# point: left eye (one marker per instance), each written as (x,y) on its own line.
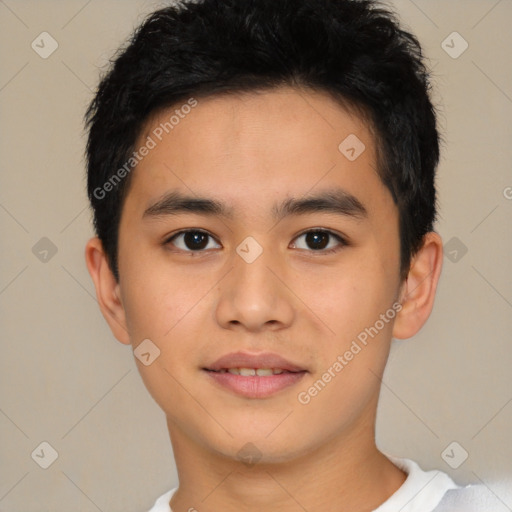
(193,241)
(318,240)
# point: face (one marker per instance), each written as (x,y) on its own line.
(250,238)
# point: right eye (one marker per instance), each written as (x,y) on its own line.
(193,240)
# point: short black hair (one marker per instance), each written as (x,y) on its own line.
(353,50)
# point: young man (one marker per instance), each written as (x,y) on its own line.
(262,179)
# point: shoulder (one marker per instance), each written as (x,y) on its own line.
(162,503)
(435,491)
(473,498)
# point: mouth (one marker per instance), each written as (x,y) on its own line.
(251,372)
(254,375)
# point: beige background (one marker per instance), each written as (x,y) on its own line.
(66,381)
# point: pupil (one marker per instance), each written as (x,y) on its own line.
(317,240)
(195,240)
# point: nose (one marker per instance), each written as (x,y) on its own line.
(254,297)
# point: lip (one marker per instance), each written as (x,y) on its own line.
(254,386)
(247,360)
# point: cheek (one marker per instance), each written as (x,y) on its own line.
(351,362)
(351,297)
(169,321)
(357,306)
(157,296)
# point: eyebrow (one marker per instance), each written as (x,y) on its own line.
(337,201)
(175,202)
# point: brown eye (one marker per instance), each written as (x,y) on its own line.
(193,241)
(319,240)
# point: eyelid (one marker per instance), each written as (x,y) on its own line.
(169,238)
(342,239)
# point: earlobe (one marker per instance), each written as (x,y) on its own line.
(107,289)
(419,289)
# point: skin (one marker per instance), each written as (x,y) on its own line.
(251,152)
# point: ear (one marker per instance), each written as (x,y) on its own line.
(107,289)
(419,289)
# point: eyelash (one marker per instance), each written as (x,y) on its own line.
(342,242)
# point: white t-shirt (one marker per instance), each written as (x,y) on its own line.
(422,491)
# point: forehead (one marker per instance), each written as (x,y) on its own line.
(249,147)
